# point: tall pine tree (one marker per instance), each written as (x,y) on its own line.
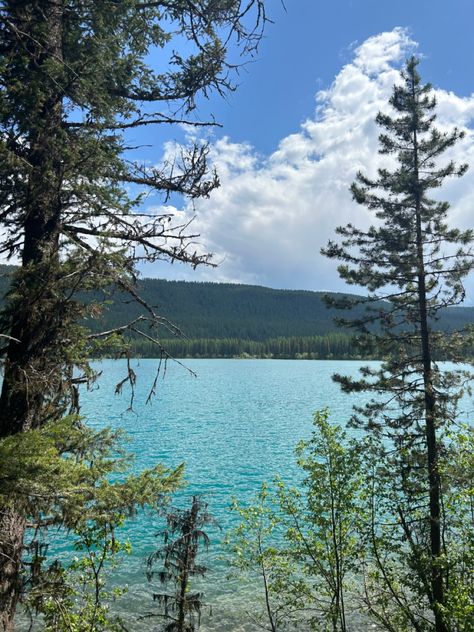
(416,263)
(75,75)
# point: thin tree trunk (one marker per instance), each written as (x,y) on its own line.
(437,585)
(339,614)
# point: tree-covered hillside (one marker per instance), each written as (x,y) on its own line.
(217,310)
(224,311)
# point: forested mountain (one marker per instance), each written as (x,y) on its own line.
(232,311)
(246,312)
(224,310)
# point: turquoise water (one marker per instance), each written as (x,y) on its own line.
(234,426)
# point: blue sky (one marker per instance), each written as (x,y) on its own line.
(309,43)
(301,124)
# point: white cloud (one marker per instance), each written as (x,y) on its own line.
(270,217)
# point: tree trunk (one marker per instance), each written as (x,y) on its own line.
(12,525)
(32,382)
(437,579)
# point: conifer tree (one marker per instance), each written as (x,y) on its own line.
(183,536)
(413,261)
(75,75)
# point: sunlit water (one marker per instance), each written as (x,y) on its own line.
(234,426)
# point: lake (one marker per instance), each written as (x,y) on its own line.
(234,426)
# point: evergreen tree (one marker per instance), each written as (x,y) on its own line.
(412,260)
(183,536)
(75,76)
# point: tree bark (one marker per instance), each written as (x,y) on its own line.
(437,579)
(32,376)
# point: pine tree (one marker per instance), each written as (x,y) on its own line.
(75,76)
(413,261)
(183,537)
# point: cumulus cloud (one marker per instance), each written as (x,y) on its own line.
(271,215)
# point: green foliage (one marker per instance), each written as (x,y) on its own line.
(310,348)
(393,557)
(254,545)
(305,543)
(224,321)
(416,263)
(457,468)
(328,543)
(222,310)
(75,597)
(66,474)
(62,473)
(75,77)
(183,536)
(336,554)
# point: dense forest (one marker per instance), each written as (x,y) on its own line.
(224,320)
